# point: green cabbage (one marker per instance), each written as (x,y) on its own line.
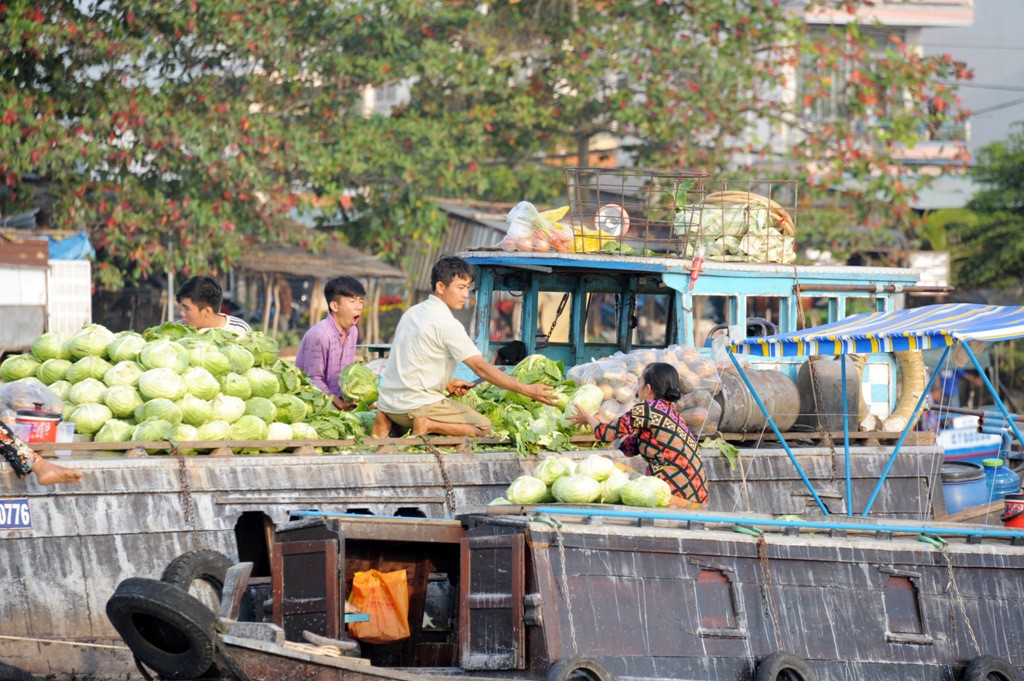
(168,331)
(661,489)
(214,430)
(205,355)
(527,489)
(121,400)
(261,407)
(60,389)
(610,488)
(551,468)
(89,418)
(576,489)
(538,369)
(240,359)
(186,433)
(262,382)
(201,383)
(91,340)
(125,347)
(164,354)
(278,431)
(88,367)
(235,385)
(51,345)
(161,409)
(597,467)
(587,397)
(114,431)
(249,428)
(358,383)
(53,370)
(87,391)
(161,383)
(304,431)
(194,410)
(638,493)
(289,408)
(226,408)
(17,367)
(125,372)
(500,501)
(153,430)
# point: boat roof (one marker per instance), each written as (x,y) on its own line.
(932,326)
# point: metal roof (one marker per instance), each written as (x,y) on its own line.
(335,260)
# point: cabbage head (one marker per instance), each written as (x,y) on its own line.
(589,399)
(550,469)
(90,341)
(576,489)
(122,400)
(89,418)
(51,345)
(53,370)
(240,359)
(60,389)
(527,489)
(358,383)
(638,493)
(304,431)
(570,465)
(114,431)
(288,408)
(153,430)
(125,347)
(610,488)
(661,489)
(207,356)
(161,409)
(194,410)
(226,408)
(88,391)
(16,367)
(87,367)
(278,431)
(261,407)
(597,467)
(235,385)
(186,433)
(262,382)
(125,372)
(538,369)
(201,383)
(161,383)
(164,354)
(214,430)
(249,428)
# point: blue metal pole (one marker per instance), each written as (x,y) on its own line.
(775,429)
(995,395)
(909,528)
(846,435)
(906,431)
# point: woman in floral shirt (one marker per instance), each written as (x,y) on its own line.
(653,429)
(25,460)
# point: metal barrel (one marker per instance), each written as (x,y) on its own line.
(740,413)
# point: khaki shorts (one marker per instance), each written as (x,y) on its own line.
(445,411)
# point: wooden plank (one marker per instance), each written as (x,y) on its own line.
(236,581)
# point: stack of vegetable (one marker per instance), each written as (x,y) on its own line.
(737,225)
(595,480)
(173,382)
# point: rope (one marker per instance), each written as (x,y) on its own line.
(960,602)
(767,590)
(565,583)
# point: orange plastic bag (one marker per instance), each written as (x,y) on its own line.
(384,596)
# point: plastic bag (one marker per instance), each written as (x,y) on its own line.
(384,596)
(532,230)
(26,393)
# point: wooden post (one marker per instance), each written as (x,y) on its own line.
(268,296)
(275,329)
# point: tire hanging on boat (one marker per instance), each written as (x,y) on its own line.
(12,673)
(783,665)
(577,668)
(168,630)
(989,668)
(203,565)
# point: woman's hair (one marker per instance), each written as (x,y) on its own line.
(664,381)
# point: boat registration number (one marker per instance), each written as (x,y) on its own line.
(14,514)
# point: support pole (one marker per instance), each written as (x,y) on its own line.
(775,429)
(906,431)
(846,437)
(995,396)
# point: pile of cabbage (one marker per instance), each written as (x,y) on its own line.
(175,383)
(595,480)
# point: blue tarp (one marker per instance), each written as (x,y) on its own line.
(932,326)
(74,247)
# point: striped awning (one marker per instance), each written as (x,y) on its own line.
(933,326)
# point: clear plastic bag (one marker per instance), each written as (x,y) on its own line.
(531,230)
(26,393)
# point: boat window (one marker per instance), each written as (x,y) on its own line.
(653,317)
(902,606)
(768,308)
(506,316)
(816,310)
(857,305)
(602,316)
(554,312)
(715,605)
(709,312)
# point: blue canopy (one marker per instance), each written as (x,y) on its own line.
(932,326)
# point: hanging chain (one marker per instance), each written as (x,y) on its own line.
(449,491)
(558,314)
(186,495)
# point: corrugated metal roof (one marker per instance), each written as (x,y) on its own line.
(337,259)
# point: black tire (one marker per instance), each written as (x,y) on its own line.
(171,632)
(11,673)
(209,567)
(989,668)
(579,669)
(783,666)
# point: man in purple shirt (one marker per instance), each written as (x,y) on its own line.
(330,345)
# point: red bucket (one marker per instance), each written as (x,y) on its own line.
(1013,512)
(43,423)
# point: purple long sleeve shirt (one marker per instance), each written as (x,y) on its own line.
(324,352)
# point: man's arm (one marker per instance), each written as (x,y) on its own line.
(490,373)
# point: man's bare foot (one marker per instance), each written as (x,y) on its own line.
(48,473)
(381,426)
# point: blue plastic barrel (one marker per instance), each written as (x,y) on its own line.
(963,485)
(999,479)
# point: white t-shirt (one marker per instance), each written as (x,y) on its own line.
(429,344)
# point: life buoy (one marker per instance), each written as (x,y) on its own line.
(205,566)
(578,669)
(783,665)
(989,668)
(168,630)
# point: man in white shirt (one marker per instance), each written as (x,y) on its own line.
(200,298)
(429,344)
